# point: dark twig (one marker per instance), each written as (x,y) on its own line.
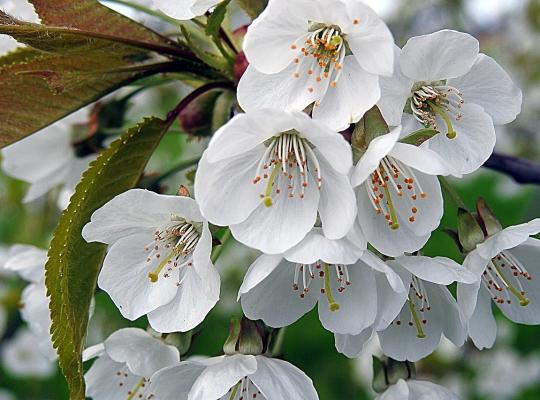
(521,170)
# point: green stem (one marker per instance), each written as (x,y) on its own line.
(180,167)
(278,342)
(451,192)
(216,252)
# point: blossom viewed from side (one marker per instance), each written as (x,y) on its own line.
(507,264)
(443,81)
(268,173)
(329,53)
(233,377)
(417,390)
(398,194)
(49,159)
(185,9)
(125,362)
(414,323)
(336,274)
(22,358)
(158,262)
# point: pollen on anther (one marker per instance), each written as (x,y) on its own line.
(356,21)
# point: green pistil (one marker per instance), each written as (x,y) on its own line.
(451,133)
(267,199)
(417,323)
(136,389)
(154,275)
(235,390)
(332,304)
(393,215)
(523,301)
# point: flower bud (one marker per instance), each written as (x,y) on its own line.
(469,230)
(489,222)
(240,65)
(246,337)
(196,118)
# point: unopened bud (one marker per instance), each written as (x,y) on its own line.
(240,65)
(183,191)
(246,337)
(196,118)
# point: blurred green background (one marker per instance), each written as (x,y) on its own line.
(509,30)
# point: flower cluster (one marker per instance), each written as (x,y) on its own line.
(332,170)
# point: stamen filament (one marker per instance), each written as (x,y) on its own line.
(523,301)
(419,330)
(332,304)
(451,133)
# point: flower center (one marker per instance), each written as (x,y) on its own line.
(306,274)
(437,100)
(322,52)
(138,391)
(286,165)
(172,247)
(502,279)
(418,305)
(245,389)
(391,182)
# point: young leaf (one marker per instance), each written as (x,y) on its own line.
(73,264)
(216,19)
(416,138)
(91,16)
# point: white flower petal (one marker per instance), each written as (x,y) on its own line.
(142,353)
(28,261)
(423,390)
(316,246)
(93,351)
(246,131)
(379,148)
(357,303)
(263,266)
(102,382)
(489,86)
(389,301)
(352,346)
(216,380)
(277,228)
(124,277)
(482,324)
(441,270)
(192,303)
(337,204)
(423,159)
(175,382)
(274,300)
(399,391)
(274,32)
(441,55)
(395,91)
(225,190)
(473,144)
(370,39)
(283,90)
(395,281)
(356,92)
(278,379)
(137,211)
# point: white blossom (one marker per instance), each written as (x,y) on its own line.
(507,263)
(448,85)
(398,194)
(158,262)
(329,53)
(416,390)
(410,325)
(336,274)
(232,378)
(185,9)
(125,362)
(267,173)
(22,358)
(48,159)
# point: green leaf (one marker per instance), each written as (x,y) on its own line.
(73,264)
(216,19)
(41,87)
(420,136)
(253,8)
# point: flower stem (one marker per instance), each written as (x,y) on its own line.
(452,194)
(278,342)
(216,252)
(146,10)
